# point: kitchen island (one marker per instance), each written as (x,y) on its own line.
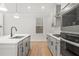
(18,45)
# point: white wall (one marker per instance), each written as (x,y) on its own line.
(27,21)
(26,24)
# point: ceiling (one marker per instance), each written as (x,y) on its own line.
(30,7)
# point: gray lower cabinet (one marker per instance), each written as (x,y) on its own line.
(15,47)
(48,40)
(28,42)
(20,48)
(58,47)
(24,47)
(53,45)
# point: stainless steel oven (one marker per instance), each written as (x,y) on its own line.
(69,44)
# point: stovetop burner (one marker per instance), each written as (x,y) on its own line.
(70,37)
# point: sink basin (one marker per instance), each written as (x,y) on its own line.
(17,37)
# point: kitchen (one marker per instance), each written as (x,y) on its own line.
(29,27)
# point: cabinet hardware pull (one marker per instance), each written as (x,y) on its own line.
(26,44)
(51,43)
(56,48)
(22,49)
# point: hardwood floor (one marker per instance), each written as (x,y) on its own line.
(39,49)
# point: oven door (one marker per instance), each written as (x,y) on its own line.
(66,49)
(73,49)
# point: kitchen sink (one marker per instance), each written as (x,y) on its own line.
(17,37)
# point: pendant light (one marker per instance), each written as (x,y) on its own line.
(3,7)
(16,15)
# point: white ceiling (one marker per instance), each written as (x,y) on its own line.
(35,7)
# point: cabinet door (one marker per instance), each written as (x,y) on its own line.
(28,42)
(1,24)
(26,45)
(20,48)
(57,22)
(47,38)
(1,31)
(53,44)
(25,48)
(1,19)
(58,47)
(49,42)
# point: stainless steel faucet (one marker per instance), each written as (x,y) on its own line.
(11,30)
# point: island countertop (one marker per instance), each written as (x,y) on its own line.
(8,40)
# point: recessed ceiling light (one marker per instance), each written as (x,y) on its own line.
(29,7)
(42,7)
(3,7)
(16,16)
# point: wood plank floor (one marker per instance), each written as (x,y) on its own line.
(39,49)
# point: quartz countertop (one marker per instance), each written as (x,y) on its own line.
(50,34)
(8,40)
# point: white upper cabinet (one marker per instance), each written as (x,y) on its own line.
(1,19)
(1,24)
(57,22)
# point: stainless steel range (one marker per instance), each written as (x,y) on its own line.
(69,44)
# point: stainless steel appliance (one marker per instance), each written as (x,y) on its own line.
(69,44)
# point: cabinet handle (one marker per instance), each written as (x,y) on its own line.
(22,49)
(51,43)
(1,26)
(56,48)
(47,38)
(56,42)
(26,44)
